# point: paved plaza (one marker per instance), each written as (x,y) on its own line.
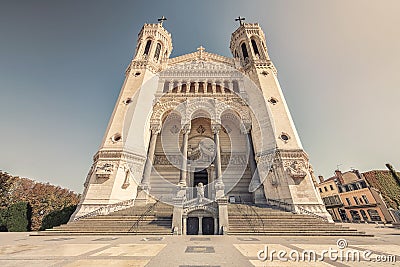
(21,249)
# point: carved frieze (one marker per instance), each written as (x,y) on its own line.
(104,169)
(295,168)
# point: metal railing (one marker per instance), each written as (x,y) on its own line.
(135,226)
(250,219)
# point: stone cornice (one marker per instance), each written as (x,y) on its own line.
(117,155)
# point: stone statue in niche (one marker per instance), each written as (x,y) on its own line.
(200,192)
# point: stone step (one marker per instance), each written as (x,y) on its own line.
(252,220)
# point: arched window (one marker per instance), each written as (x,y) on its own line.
(255,48)
(244,51)
(158,50)
(138,48)
(147,48)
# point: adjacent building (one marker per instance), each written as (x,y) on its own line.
(348,197)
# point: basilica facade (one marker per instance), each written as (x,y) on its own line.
(197,132)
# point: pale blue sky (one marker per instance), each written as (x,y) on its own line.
(62,65)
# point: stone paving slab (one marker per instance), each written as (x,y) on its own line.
(119,263)
(131,250)
(20,249)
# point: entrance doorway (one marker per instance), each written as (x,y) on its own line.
(192,226)
(208,226)
(200,176)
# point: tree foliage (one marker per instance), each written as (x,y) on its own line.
(43,198)
(387,186)
(57,217)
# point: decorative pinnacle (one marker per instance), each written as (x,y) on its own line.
(161,20)
(240,20)
(201,50)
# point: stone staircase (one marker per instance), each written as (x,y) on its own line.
(246,219)
(150,219)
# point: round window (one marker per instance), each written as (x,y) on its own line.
(127,101)
(285,137)
(273,101)
(116,138)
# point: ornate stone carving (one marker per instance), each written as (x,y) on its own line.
(201,129)
(155,128)
(234,159)
(104,169)
(174,129)
(295,168)
(186,128)
(167,160)
(215,128)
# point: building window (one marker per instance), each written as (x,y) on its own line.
(255,48)
(374,215)
(364,197)
(326,189)
(285,138)
(348,201)
(355,215)
(244,51)
(320,190)
(356,200)
(364,215)
(331,186)
(158,50)
(351,188)
(147,47)
(337,200)
(363,184)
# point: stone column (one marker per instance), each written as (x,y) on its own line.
(222,85)
(184,227)
(170,86)
(218,169)
(187,86)
(196,87)
(179,90)
(185,138)
(219,185)
(214,87)
(200,225)
(215,226)
(205,83)
(145,183)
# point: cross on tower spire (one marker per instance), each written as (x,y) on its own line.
(240,20)
(161,20)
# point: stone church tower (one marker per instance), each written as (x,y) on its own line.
(199,131)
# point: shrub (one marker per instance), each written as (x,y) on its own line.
(57,217)
(16,218)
